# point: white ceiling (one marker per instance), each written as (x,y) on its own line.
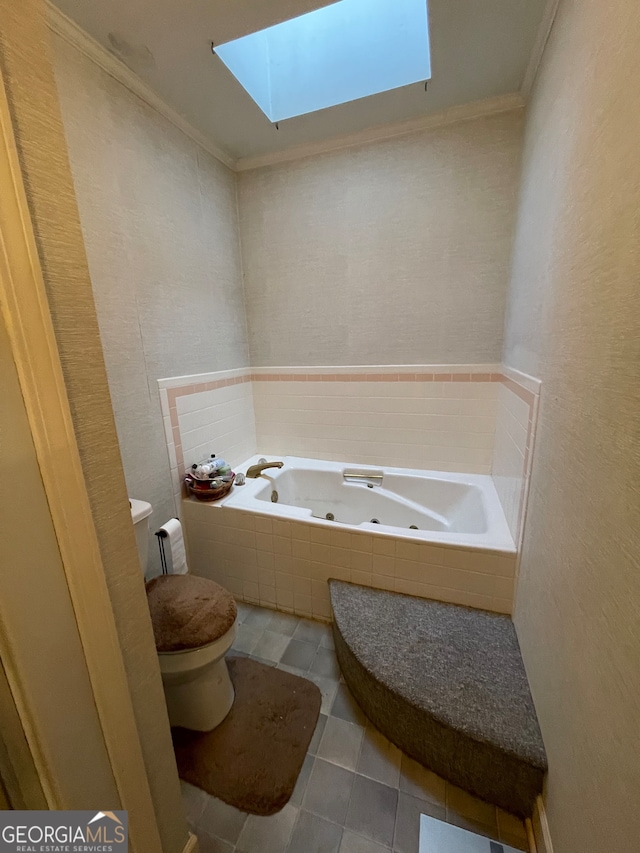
(479,49)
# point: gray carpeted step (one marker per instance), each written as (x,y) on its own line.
(447,685)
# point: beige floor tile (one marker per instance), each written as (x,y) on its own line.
(422,783)
(379,758)
(341,743)
(268,834)
(465,805)
(352,843)
(488,830)
(509,824)
(515,841)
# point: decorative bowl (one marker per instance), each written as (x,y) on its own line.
(204,491)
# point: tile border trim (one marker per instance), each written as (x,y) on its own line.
(365,376)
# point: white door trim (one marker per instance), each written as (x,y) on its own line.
(25,311)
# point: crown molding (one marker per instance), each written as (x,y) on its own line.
(466,112)
(544,31)
(67,29)
(64,27)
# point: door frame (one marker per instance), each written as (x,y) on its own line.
(25,312)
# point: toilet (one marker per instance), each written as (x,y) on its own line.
(194,625)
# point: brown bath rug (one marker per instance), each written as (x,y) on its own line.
(253,758)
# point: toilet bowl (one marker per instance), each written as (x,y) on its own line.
(197,686)
(198,691)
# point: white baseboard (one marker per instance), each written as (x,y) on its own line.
(531,839)
(192,845)
(540,828)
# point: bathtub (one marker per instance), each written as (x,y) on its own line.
(277,539)
(456,509)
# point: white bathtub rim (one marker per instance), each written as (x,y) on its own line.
(497,540)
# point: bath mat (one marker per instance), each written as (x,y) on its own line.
(253,758)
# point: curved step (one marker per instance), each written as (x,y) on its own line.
(447,685)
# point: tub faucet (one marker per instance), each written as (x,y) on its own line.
(255,470)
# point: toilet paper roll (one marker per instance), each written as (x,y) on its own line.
(172,541)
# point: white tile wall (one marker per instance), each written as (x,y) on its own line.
(455,425)
(513,449)
(220,421)
(446,426)
(216,420)
(285,565)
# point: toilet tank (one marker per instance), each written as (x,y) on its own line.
(140,512)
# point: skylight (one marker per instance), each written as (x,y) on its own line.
(351,49)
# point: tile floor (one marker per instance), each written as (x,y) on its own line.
(357,792)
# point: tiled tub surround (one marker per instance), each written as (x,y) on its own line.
(417,416)
(439,417)
(285,564)
(465,418)
(516,416)
(204,414)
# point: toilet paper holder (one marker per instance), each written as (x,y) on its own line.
(162,535)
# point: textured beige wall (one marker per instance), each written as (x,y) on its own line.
(159,220)
(395,252)
(575,315)
(37,620)
(31,89)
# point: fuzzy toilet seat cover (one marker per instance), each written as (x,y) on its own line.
(188,611)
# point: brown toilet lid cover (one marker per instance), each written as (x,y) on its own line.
(188,611)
